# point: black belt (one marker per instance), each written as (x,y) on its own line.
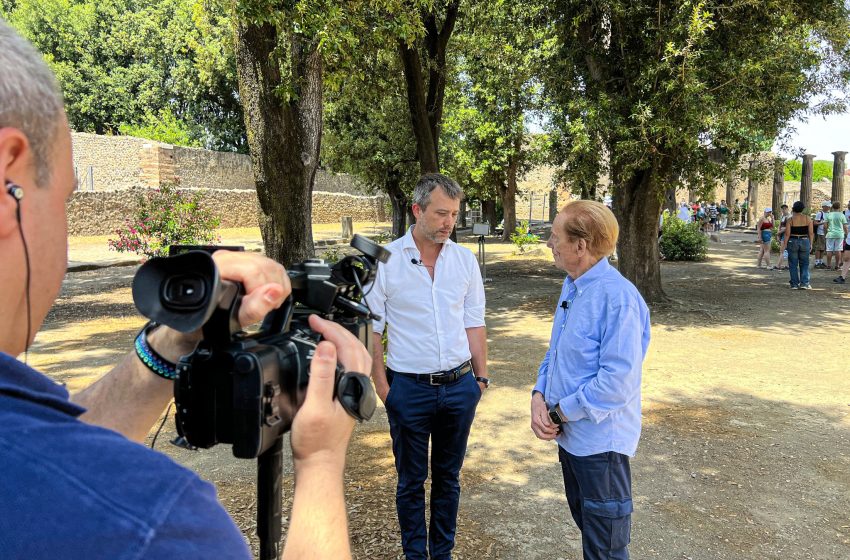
(799,236)
(438,377)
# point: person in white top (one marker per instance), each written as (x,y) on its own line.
(430,298)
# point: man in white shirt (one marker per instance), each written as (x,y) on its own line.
(431,298)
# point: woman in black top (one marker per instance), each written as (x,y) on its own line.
(798,242)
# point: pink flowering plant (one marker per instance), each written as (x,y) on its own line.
(166,216)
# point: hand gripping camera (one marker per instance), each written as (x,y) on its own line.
(244,389)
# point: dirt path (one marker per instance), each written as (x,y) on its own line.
(745,452)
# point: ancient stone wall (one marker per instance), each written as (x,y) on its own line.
(204,169)
(106,163)
(101,213)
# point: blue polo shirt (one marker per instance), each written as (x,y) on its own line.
(75,491)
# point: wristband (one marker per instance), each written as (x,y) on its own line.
(149,356)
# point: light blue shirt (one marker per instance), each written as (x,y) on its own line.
(593,365)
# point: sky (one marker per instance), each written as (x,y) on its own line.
(820,136)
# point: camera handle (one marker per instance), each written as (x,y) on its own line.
(269,469)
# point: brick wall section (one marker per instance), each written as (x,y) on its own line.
(101,213)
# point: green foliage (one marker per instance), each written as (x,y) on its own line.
(821,169)
(163,217)
(125,62)
(382,238)
(332,254)
(522,238)
(499,50)
(774,240)
(164,127)
(793,170)
(682,241)
(662,92)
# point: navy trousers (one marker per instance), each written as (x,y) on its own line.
(419,412)
(599,492)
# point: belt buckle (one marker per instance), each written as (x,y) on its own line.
(431,379)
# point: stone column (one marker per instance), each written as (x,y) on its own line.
(838,169)
(778,186)
(752,195)
(806,181)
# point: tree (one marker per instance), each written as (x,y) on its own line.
(423,58)
(280,82)
(137,62)
(499,50)
(659,83)
(281,54)
(363,137)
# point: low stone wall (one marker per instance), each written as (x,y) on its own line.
(101,213)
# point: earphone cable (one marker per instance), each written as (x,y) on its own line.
(29,305)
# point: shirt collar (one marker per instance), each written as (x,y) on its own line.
(21,381)
(407,242)
(596,272)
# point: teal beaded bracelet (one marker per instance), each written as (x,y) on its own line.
(149,356)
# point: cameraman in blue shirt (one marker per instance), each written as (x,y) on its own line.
(587,395)
(76,483)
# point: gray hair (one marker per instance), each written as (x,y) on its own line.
(30,99)
(429,182)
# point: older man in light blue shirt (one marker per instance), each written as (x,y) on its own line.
(587,395)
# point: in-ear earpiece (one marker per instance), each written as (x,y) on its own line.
(14,190)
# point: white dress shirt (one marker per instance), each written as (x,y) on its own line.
(427,319)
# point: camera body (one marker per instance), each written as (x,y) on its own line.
(244,389)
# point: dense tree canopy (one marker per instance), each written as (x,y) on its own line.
(155,65)
(653,94)
(646,88)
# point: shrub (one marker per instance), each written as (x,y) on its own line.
(774,241)
(163,217)
(332,254)
(382,237)
(682,241)
(522,238)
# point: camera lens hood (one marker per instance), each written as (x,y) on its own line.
(181,291)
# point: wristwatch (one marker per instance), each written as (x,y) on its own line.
(484,380)
(555,416)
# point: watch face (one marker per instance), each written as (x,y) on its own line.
(553,415)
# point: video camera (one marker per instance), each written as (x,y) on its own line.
(244,389)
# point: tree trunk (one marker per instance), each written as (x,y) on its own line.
(778,186)
(730,190)
(426,144)
(637,205)
(670,199)
(411,219)
(488,211)
(507,192)
(553,204)
(462,214)
(752,195)
(399,202)
(425,99)
(284,138)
